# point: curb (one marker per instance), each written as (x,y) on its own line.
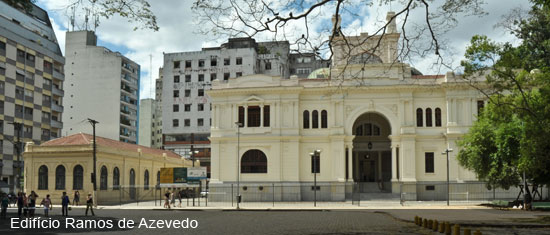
(477,225)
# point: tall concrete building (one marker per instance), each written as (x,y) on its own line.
(303,64)
(187,75)
(150,132)
(31,86)
(102,85)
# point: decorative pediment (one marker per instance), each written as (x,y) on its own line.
(253,99)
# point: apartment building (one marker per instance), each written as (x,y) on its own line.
(31,87)
(150,132)
(102,85)
(303,64)
(187,75)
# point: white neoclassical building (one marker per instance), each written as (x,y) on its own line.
(377,122)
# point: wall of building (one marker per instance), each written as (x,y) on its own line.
(94,88)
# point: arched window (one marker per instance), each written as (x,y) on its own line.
(103,178)
(132,177)
(324,120)
(116,178)
(146,180)
(254,161)
(428,117)
(78,177)
(60,177)
(314,119)
(43,177)
(306,119)
(419,121)
(437,117)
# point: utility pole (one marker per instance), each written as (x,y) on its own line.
(446,152)
(94,179)
(192,151)
(17,145)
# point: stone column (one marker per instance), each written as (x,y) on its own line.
(394,167)
(350,163)
(261,115)
(245,116)
(379,177)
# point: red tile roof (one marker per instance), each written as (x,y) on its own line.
(82,139)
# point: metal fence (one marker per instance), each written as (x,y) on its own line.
(461,192)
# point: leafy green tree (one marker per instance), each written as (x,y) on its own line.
(510,137)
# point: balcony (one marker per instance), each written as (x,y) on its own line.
(58,75)
(57,108)
(56,91)
(56,124)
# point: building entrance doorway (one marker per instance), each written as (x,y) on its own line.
(372,153)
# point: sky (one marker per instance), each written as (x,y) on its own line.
(179,32)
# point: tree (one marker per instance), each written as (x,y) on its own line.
(510,137)
(302,23)
(135,11)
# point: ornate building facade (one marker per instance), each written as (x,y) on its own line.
(377,122)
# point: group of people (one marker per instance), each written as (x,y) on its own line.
(26,205)
(170,197)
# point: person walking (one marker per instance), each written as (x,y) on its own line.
(167,200)
(32,203)
(47,203)
(180,192)
(65,204)
(76,198)
(90,204)
(5,203)
(19,204)
(173,199)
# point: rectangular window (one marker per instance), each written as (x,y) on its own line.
(201,63)
(430,187)
(176,93)
(187,93)
(187,78)
(200,107)
(176,79)
(239,60)
(212,76)
(213,62)
(253,116)
(175,122)
(20,56)
(47,82)
(175,108)
(28,111)
(187,64)
(187,107)
(176,64)
(266,116)
(429,162)
(187,122)
(48,67)
(200,122)
(201,77)
(315,164)
(226,61)
(239,74)
(201,92)
(304,71)
(480,106)
(226,76)
(241,115)
(268,65)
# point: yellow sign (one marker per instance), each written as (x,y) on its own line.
(166,175)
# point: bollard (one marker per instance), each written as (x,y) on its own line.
(419,221)
(477,232)
(425,223)
(442,227)
(416,219)
(467,231)
(435,225)
(456,229)
(447,228)
(430,224)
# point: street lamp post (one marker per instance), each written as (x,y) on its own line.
(315,157)
(446,152)
(239,125)
(94,179)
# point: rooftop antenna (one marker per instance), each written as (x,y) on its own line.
(86,19)
(72,18)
